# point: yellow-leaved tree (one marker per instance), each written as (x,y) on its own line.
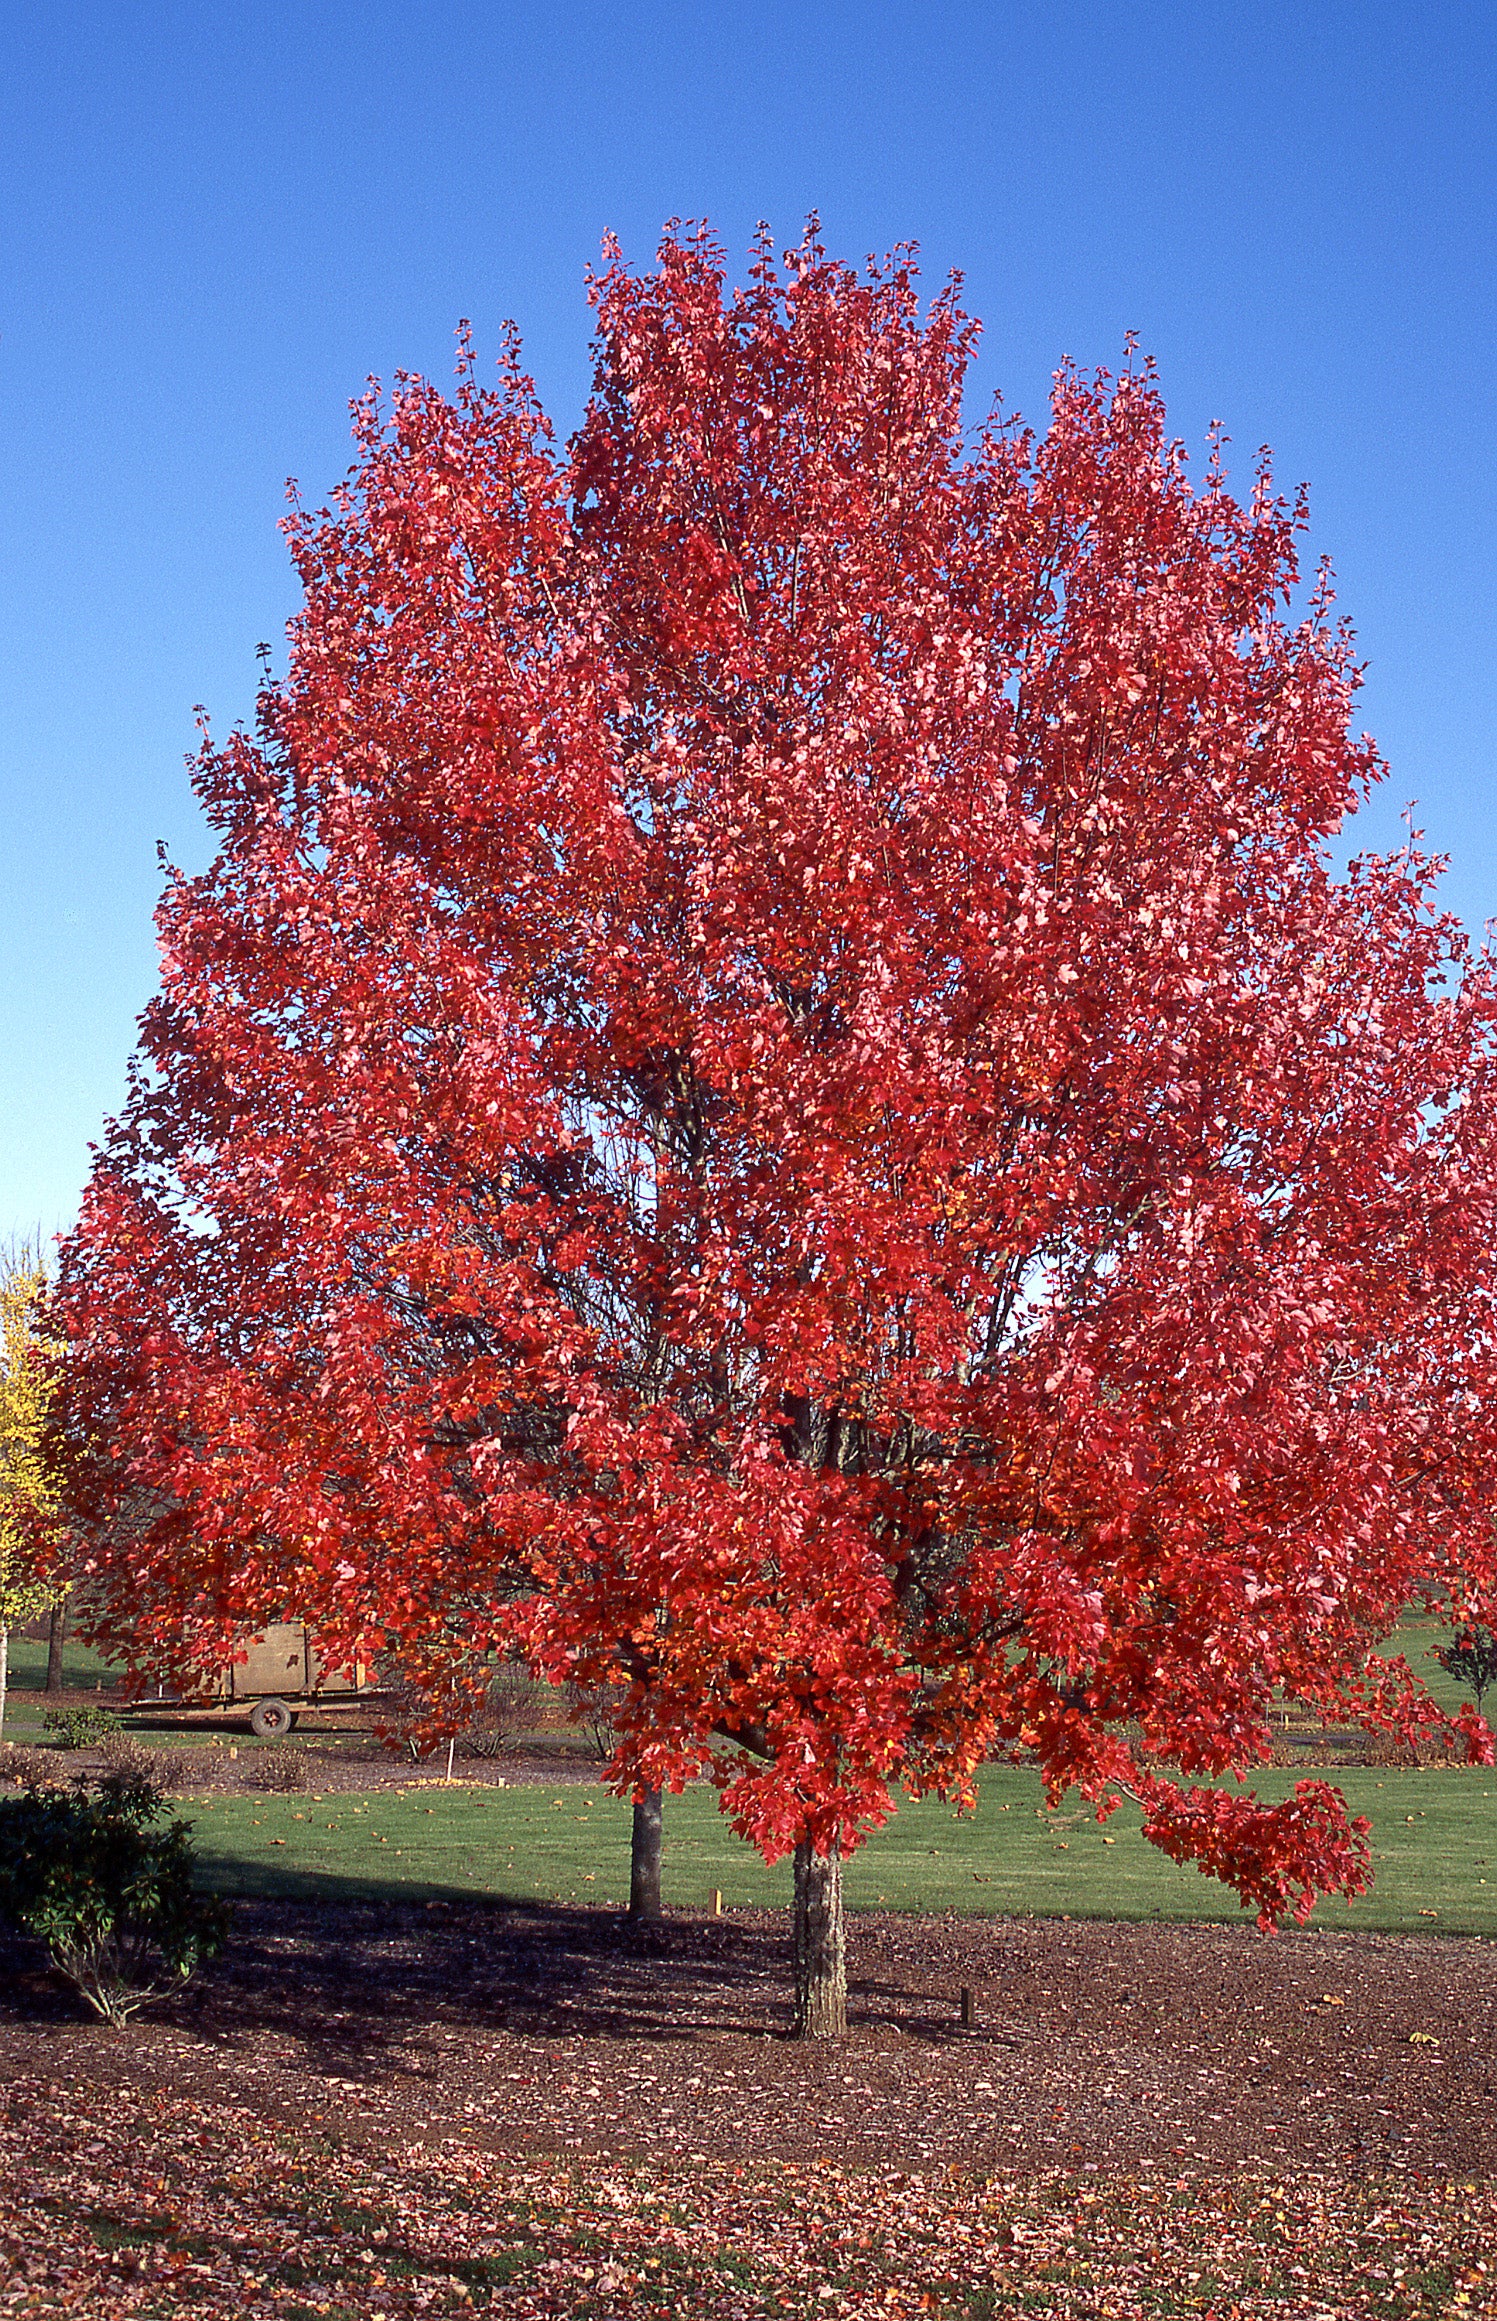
(27,1492)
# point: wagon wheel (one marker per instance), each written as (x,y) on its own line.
(271,1718)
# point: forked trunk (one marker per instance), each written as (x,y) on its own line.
(644,1856)
(820,1945)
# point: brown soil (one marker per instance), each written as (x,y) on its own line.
(535,2030)
(354,1767)
(336,1756)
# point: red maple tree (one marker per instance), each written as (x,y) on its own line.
(772,1093)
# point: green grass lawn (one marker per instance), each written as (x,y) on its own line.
(82,1667)
(1434,1850)
(1434,1839)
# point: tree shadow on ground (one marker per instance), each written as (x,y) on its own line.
(360,1978)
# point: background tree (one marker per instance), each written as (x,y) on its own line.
(772,1093)
(57,1636)
(28,1495)
(1471,1658)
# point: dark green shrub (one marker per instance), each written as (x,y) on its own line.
(79,1728)
(1471,1657)
(108,1893)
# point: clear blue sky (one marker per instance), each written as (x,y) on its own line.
(218,221)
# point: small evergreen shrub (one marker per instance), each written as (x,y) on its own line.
(1471,1658)
(108,1892)
(79,1728)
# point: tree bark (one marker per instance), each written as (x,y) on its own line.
(57,1627)
(820,1945)
(644,1856)
(4,1670)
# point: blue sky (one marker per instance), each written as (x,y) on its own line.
(219,221)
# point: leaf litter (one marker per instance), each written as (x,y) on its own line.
(172,2208)
(517,2113)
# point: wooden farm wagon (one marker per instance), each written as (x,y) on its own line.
(282,1673)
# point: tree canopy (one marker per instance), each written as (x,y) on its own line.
(774,1090)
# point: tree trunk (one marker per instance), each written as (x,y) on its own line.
(4,1670)
(57,1628)
(644,1856)
(820,1945)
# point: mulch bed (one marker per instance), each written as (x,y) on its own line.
(349,1764)
(417,2109)
(354,1767)
(533,2028)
